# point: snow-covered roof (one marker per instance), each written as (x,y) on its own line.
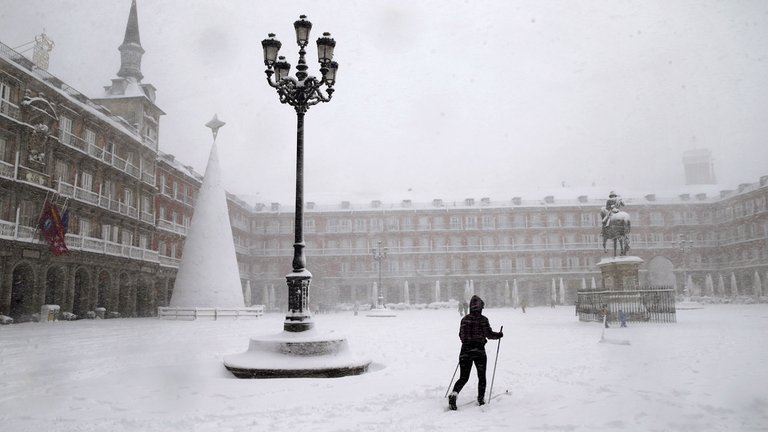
(72,96)
(554,197)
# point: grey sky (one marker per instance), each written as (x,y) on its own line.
(448,99)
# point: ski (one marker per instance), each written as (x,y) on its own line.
(474,402)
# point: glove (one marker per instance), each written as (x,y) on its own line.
(501,335)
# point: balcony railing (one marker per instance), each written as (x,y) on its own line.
(79,144)
(9,109)
(172,226)
(90,244)
(6,170)
(167,261)
(102,201)
(18,232)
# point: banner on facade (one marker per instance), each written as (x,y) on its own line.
(53,230)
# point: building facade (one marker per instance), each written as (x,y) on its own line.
(129,207)
(436,251)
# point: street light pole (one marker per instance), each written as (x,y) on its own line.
(378,255)
(300,92)
(685,246)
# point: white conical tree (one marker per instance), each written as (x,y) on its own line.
(208,275)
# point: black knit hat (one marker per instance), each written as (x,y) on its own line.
(476,304)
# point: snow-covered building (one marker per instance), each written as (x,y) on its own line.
(488,245)
(130,205)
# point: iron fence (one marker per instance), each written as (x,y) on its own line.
(650,304)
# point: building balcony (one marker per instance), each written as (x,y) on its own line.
(167,261)
(10,110)
(172,227)
(7,170)
(17,232)
(74,142)
(96,199)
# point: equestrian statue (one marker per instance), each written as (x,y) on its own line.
(616,224)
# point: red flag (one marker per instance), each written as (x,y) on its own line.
(52,228)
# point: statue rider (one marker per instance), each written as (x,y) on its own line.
(612,205)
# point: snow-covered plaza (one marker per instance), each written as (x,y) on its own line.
(707,372)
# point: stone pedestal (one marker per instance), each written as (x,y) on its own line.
(620,273)
(307,354)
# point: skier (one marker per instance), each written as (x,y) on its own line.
(474,331)
(622,318)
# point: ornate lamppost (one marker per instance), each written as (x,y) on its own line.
(300,92)
(684,245)
(299,351)
(379,253)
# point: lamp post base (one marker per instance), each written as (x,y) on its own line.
(298,318)
(312,354)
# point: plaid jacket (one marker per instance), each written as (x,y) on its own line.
(475,330)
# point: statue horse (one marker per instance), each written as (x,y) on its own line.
(617,229)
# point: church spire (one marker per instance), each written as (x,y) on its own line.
(131,50)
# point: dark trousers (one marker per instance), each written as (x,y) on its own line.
(467,356)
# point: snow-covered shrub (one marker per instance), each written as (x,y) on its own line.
(5,320)
(68,316)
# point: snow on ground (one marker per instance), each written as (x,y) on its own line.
(708,372)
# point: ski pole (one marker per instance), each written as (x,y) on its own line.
(449,384)
(490,392)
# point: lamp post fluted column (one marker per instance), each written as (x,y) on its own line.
(378,255)
(300,92)
(685,245)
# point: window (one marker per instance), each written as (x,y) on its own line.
(657,219)
(376,225)
(128,197)
(407,223)
(5,98)
(333,225)
(471,222)
(90,137)
(61,171)
(506,265)
(520,264)
(346,225)
(553,220)
(146,204)
(309,225)
(455,222)
(65,130)
(29,213)
(569,220)
(84,227)
(5,150)
(556,263)
(109,189)
(161,211)
(360,225)
(86,181)
(423,223)
(127,238)
(488,222)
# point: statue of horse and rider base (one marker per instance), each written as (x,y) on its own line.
(616,225)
